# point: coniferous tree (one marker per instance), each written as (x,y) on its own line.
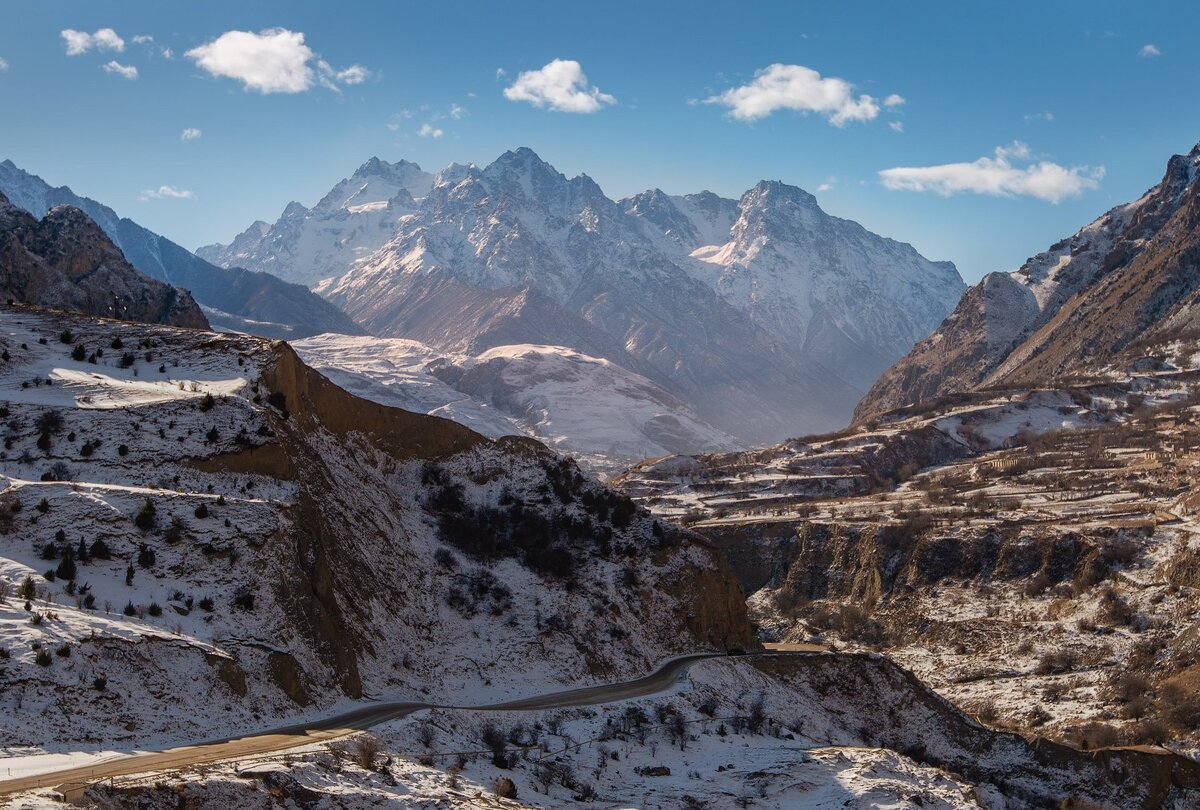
(66,566)
(146,517)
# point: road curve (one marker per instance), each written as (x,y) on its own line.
(72,781)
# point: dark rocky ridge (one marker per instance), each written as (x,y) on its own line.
(67,262)
(241,300)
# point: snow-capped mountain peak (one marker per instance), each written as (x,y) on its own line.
(454,173)
(697,293)
(354,219)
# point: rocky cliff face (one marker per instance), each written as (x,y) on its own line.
(236,299)
(1067,311)
(66,261)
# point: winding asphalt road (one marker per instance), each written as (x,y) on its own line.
(72,781)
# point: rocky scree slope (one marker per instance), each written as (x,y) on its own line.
(765,315)
(201,535)
(1069,310)
(235,299)
(65,260)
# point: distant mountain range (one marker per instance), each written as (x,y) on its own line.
(767,316)
(233,298)
(1125,281)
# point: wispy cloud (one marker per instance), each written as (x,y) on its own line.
(355,74)
(430,131)
(559,85)
(166,192)
(124,71)
(190,134)
(3,64)
(272,61)
(998,176)
(802,89)
(1044,117)
(1149,51)
(896,126)
(79,42)
(895,100)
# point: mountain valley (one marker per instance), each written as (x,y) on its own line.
(382,569)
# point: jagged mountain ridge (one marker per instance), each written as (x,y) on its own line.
(855,296)
(66,261)
(516,253)
(237,299)
(1069,310)
(353,220)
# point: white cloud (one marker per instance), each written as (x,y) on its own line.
(1149,51)
(272,61)
(430,131)
(896,126)
(457,112)
(190,134)
(142,39)
(829,185)
(1045,116)
(355,74)
(895,100)
(124,71)
(105,39)
(500,73)
(997,176)
(795,87)
(3,64)
(166,192)
(559,85)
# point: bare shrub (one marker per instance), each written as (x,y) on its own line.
(1055,662)
(364,750)
(505,788)
(1097,735)
(986,712)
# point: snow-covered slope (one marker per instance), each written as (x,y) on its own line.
(200,534)
(773,335)
(582,405)
(826,285)
(356,217)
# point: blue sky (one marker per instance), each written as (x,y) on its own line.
(1084,113)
